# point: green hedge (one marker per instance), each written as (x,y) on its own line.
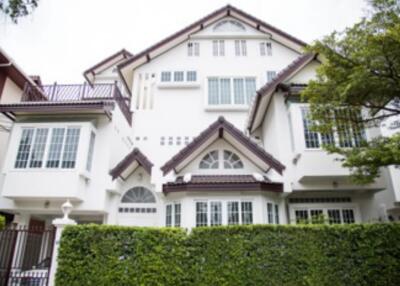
(2,222)
(242,255)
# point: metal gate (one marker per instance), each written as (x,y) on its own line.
(25,255)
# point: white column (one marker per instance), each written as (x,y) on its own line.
(60,224)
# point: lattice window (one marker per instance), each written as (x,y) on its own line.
(138,195)
(247,212)
(24,148)
(216,213)
(56,144)
(38,148)
(232,161)
(70,148)
(201,214)
(210,161)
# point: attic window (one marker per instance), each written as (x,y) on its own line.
(229,26)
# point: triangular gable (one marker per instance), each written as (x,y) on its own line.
(263,95)
(114,59)
(126,68)
(129,164)
(223,129)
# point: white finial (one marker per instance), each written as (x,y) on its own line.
(66,209)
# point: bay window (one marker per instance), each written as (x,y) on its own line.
(237,91)
(47,147)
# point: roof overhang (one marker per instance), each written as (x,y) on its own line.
(130,163)
(228,183)
(265,93)
(223,129)
(46,108)
(114,59)
(126,68)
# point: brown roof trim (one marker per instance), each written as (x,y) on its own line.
(272,85)
(221,125)
(200,23)
(11,70)
(126,54)
(215,183)
(51,107)
(135,155)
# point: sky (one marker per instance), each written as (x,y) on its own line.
(62,38)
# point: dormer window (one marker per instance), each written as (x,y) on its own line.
(265,49)
(230,160)
(193,49)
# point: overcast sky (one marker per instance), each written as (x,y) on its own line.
(64,37)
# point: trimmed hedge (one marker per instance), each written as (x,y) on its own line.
(2,222)
(240,255)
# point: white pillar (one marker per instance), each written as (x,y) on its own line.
(60,224)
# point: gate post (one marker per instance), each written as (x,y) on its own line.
(60,224)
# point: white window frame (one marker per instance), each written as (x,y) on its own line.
(240,48)
(232,105)
(193,49)
(224,209)
(184,83)
(336,138)
(173,206)
(324,207)
(218,48)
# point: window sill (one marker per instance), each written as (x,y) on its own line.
(226,108)
(183,85)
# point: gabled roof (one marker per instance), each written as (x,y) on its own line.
(129,164)
(263,95)
(8,68)
(106,63)
(221,183)
(219,129)
(182,35)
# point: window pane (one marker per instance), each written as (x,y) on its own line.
(301,216)
(168,216)
(317,216)
(24,148)
(238,90)
(348,216)
(177,208)
(343,129)
(90,152)
(197,49)
(221,48)
(216,213)
(215,48)
(244,47)
(310,137)
(233,213)
(247,213)
(262,49)
(250,89)
(190,49)
(38,148)
(269,48)
(165,76)
(191,76)
(270,213)
(56,143)
(232,161)
(270,75)
(276,214)
(70,148)
(334,216)
(225,90)
(138,195)
(210,161)
(213,91)
(201,214)
(237,48)
(178,76)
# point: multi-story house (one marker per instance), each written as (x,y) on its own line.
(203,128)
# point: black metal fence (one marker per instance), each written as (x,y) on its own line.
(25,256)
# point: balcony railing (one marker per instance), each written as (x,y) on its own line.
(78,92)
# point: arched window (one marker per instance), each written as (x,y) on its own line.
(138,195)
(232,161)
(210,161)
(229,26)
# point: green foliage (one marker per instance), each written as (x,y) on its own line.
(16,9)
(360,72)
(2,222)
(238,255)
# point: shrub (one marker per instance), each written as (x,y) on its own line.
(2,222)
(238,255)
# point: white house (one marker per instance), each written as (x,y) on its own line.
(203,128)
